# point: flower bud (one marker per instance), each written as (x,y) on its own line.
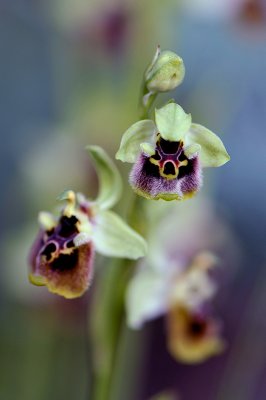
(165,73)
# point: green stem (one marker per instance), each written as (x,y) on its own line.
(107,313)
(146,100)
(107,322)
(145,109)
(106,319)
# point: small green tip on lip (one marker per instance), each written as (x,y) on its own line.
(36,280)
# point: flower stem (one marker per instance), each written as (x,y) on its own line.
(107,313)
(106,319)
(107,322)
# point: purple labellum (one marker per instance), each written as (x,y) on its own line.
(168,174)
(64,268)
(193,337)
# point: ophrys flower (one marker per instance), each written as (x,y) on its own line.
(63,253)
(169,154)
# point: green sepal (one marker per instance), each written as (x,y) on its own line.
(110,184)
(212,152)
(113,237)
(138,133)
(172,122)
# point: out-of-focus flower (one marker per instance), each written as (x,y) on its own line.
(62,255)
(107,31)
(155,289)
(182,295)
(218,9)
(192,337)
(165,72)
(179,278)
(248,11)
(253,12)
(168,155)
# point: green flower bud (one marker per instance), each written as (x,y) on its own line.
(165,73)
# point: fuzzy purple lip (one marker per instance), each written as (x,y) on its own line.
(168,172)
(65,268)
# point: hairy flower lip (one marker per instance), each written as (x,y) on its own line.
(150,183)
(176,148)
(65,267)
(193,338)
(62,256)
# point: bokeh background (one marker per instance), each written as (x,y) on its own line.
(69,76)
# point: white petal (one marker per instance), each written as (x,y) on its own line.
(146,297)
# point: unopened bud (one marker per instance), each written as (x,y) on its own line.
(165,73)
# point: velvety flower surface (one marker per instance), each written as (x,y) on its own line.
(179,278)
(182,295)
(192,337)
(154,290)
(169,154)
(63,253)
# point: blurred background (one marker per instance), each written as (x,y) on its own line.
(69,76)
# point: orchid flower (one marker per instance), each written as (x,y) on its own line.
(169,154)
(179,278)
(182,295)
(62,256)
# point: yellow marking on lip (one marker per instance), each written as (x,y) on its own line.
(173,176)
(37,280)
(183,163)
(155,162)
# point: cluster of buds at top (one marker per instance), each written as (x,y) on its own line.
(62,256)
